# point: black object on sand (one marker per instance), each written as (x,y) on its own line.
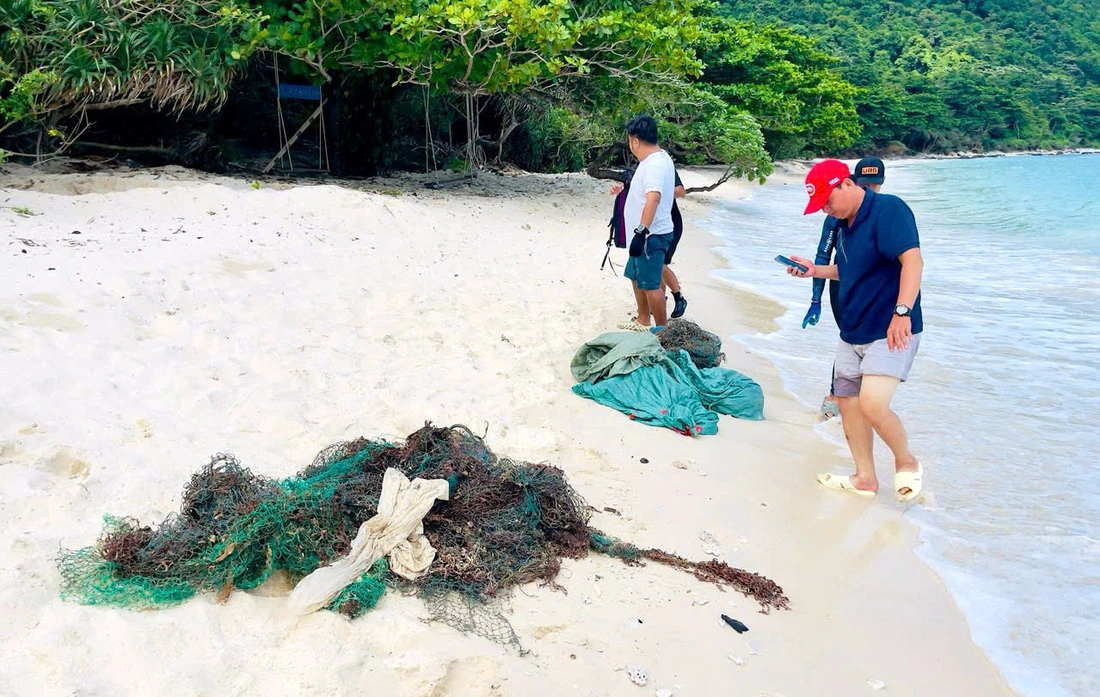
(738,627)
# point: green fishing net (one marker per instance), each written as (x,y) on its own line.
(507,523)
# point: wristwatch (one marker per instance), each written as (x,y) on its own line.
(902,310)
(641,229)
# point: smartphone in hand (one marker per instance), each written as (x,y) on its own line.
(784,260)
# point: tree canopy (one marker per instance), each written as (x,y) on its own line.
(789,84)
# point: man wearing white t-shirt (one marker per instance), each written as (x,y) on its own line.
(648,211)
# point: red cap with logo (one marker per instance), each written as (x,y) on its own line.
(820,182)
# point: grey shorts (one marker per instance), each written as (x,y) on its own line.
(853,361)
(646,269)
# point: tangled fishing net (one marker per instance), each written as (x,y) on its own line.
(704,348)
(506,523)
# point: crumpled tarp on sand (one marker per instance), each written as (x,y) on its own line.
(632,373)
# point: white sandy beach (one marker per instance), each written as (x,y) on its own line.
(150,319)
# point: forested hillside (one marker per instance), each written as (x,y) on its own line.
(945,75)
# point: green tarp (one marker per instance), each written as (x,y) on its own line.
(616,353)
(630,372)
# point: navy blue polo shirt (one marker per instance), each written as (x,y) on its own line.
(870,273)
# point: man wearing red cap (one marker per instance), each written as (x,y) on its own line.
(878,268)
(869,173)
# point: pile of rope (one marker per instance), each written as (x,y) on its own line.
(506,523)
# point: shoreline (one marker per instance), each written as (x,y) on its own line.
(284,318)
(806,163)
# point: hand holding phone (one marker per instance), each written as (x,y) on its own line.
(793,264)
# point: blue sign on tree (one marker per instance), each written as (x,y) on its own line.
(310,93)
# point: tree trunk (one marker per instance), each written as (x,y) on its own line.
(332,117)
(597,169)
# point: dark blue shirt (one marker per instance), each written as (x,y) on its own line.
(870,273)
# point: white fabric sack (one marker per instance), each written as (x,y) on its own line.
(397,530)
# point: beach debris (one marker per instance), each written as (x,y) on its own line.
(700,601)
(664,693)
(737,660)
(704,348)
(637,675)
(876,684)
(679,464)
(737,625)
(710,545)
(644,461)
(614,511)
(596,589)
(752,648)
(586,600)
(506,523)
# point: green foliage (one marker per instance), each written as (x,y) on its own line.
(491,46)
(484,46)
(23,92)
(694,124)
(784,80)
(706,130)
(555,140)
(70,53)
(970,75)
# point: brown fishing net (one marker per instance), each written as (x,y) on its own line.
(704,347)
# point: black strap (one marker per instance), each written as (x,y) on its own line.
(607,259)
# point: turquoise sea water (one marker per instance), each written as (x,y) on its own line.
(1004,401)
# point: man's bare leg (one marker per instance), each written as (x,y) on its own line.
(668,278)
(860,437)
(643,304)
(874,403)
(656,303)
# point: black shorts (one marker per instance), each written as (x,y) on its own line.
(677,232)
(672,246)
